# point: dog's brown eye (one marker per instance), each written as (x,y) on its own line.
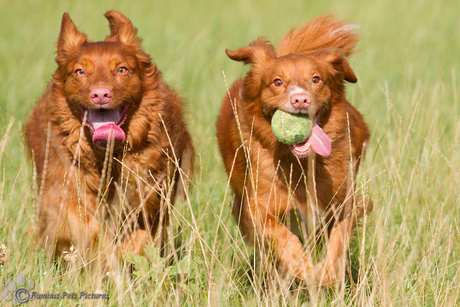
(79,72)
(277,82)
(315,80)
(122,71)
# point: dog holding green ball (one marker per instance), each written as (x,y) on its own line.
(292,145)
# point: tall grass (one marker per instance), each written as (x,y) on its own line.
(406,253)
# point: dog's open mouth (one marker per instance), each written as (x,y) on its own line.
(106,124)
(318,140)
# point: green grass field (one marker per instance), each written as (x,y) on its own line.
(406,253)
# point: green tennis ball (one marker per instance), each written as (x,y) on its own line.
(290,128)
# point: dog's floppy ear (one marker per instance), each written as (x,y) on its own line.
(258,52)
(69,39)
(121,29)
(340,63)
(336,57)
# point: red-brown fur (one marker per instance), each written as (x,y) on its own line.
(269,181)
(70,167)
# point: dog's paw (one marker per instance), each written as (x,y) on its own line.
(325,275)
(304,271)
(4,254)
(72,256)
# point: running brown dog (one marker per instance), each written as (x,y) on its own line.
(108,138)
(273,181)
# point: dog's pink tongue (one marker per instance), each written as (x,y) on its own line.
(104,123)
(320,141)
(102,134)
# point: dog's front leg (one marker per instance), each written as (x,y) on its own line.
(333,267)
(273,234)
(148,218)
(71,222)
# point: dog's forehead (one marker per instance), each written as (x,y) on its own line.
(100,48)
(106,51)
(294,64)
